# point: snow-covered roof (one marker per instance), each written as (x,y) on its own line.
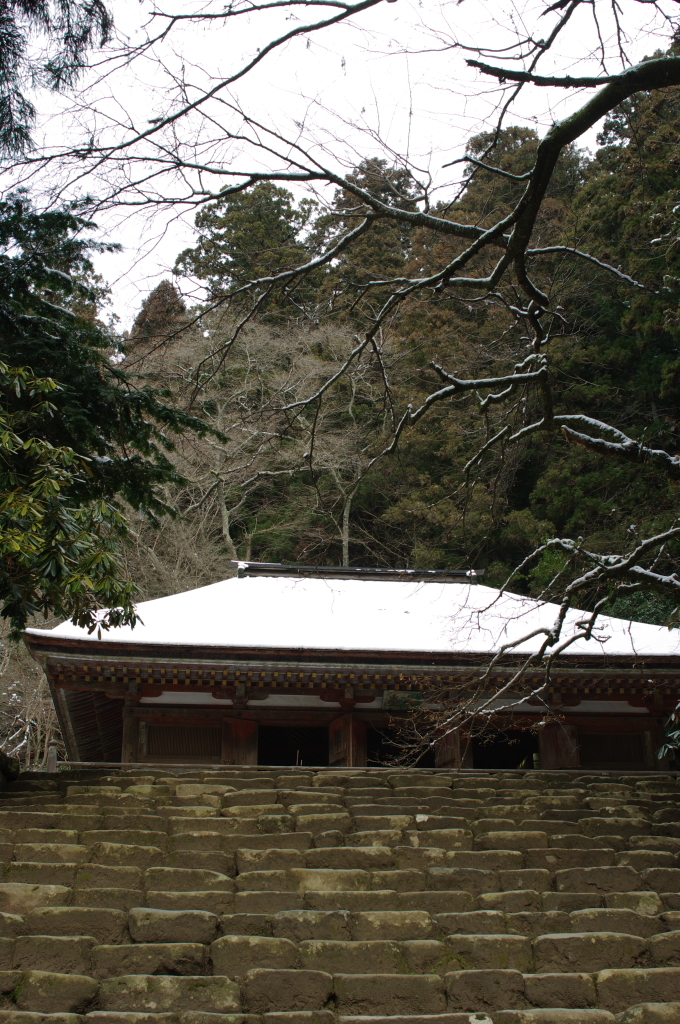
(366,615)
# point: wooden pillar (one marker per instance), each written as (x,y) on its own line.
(129,747)
(347,743)
(359,744)
(65,724)
(466,758)
(558,746)
(657,738)
(447,750)
(239,741)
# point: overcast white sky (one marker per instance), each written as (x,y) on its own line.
(390,82)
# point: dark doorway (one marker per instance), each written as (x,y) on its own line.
(381,748)
(511,749)
(285,745)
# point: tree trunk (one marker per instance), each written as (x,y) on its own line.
(226,526)
(346,508)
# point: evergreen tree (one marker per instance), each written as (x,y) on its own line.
(80,434)
(620,361)
(380,253)
(161,314)
(68,28)
(253,234)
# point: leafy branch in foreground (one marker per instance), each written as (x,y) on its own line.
(56,554)
(82,438)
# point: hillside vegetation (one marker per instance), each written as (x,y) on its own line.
(312,484)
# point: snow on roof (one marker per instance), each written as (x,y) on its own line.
(362,615)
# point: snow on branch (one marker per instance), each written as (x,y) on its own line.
(632,451)
(570,251)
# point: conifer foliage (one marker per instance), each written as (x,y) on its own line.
(81,438)
(612,355)
(67,29)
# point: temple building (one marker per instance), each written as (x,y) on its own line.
(285,665)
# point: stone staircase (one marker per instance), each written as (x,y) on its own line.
(356,896)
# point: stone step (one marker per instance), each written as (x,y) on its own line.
(170,818)
(301,923)
(127,890)
(233,954)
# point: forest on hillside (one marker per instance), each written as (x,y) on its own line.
(315,486)
(343,394)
